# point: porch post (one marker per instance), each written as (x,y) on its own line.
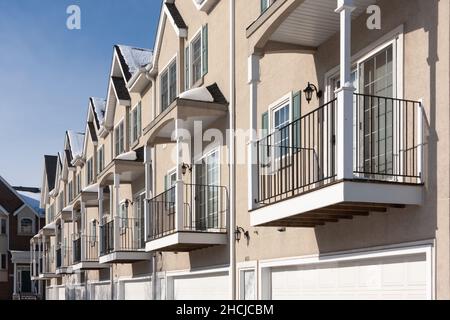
(179,184)
(100,217)
(344,94)
(253,80)
(148,189)
(83,230)
(420,142)
(117,221)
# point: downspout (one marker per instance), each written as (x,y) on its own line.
(231,153)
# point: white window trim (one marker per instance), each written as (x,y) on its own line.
(139,133)
(277,105)
(199,34)
(164,70)
(247,266)
(1,261)
(7,226)
(121,121)
(19,227)
(395,38)
(100,164)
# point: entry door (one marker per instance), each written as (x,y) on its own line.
(376,79)
(24,283)
(207,192)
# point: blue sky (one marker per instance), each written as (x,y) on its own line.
(47,72)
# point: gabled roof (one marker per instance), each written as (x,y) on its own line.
(12,201)
(51,164)
(121,88)
(132,59)
(176,16)
(99,108)
(76,142)
(92,131)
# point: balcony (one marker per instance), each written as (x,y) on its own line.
(188,217)
(122,241)
(63,259)
(298,166)
(86,253)
(47,265)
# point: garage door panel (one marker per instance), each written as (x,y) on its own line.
(400,277)
(211,287)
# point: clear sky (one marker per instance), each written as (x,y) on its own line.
(47,72)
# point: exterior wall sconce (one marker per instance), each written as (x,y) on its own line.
(127,203)
(185,167)
(238,233)
(309,91)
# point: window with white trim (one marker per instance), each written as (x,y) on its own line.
(196,58)
(123,215)
(169,185)
(89,171)
(100,159)
(70,192)
(168,85)
(136,123)
(119,139)
(3,228)
(26,226)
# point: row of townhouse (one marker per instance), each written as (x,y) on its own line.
(283,149)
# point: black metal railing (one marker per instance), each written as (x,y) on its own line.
(131,231)
(299,156)
(204,210)
(107,238)
(386,139)
(77,249)
(161,220)
(90,244)
(41,266)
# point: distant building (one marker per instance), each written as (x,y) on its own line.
(20,219)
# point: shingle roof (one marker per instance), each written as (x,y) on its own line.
(121,88)
(51,163)
(8,199)
(176,16)
(132,59)
(217,95)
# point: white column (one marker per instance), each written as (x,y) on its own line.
(344,135)
(253,80)
(15,278)
(148,188)
(116,212)
(83,231)
(179,200)
(100,216)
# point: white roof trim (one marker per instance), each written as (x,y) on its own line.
(93,188)
(129,156)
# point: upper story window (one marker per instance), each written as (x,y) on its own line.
(26,226)
(61,201)
(196,58)
(51,213)
(100,159)
(119,139)
(78,186)
(265,4)
(168,85)
(70,192)
(136,123)
(89,171)
(169,183)
(3,229)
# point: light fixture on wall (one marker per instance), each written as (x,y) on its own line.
(238,233)
(185,167)
(127,203)
(309,91)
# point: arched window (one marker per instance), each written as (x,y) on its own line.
(26,226)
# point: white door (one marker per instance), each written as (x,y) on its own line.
(210,287)
(400,277)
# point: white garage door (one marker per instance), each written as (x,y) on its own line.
(209,287)
(137,290)
(400,277)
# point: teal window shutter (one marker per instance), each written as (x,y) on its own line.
(186,73)
(296,115)
(205,49)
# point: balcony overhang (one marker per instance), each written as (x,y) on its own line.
(48,276)
(187,241)
(125,257)
(66,214)
(89,265)
(298,25)
(49,230)
(161,130)
(128,170)
(341,200)
(64,270)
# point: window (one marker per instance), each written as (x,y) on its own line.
(26,226)
(93,233)
(139,220)
(136,123)
(3,260)
(100,159)
(248,291)
(78,189)
(70,192)
(196,58)
(51,213)
(169,185)
(89,171)
(265,4)
(119,142)
(281,119)
(61,202)
(123,215)
(3,222)
(169,85)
